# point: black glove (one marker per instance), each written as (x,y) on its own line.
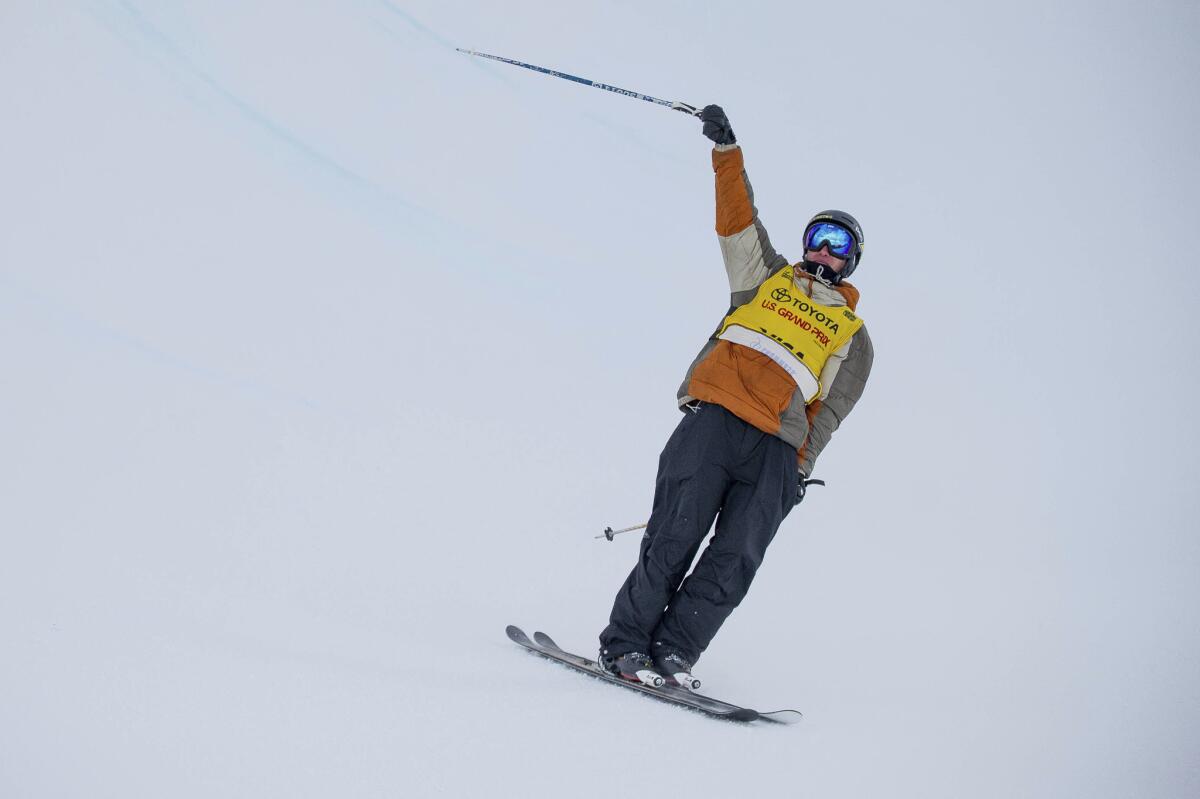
(803,487)
(716,125)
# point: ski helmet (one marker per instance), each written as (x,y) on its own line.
(850,223)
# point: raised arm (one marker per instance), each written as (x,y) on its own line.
(749,257)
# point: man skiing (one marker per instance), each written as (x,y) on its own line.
(760,401)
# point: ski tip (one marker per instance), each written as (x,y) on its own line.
(545,640)
(782,716)
(517,635)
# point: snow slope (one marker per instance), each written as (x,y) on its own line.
(327,351)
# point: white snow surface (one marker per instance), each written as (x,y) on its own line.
(325,351)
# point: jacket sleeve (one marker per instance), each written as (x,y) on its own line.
(846,388)
(749,257)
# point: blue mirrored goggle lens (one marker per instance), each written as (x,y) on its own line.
(839,239)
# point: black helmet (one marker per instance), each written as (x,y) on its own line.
(851,224)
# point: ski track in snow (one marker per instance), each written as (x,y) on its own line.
(138,28)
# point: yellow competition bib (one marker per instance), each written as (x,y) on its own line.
(796,328)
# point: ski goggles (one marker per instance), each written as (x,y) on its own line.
(839,239)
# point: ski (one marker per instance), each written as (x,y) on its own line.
(669,694)
(545,646)
(777,716)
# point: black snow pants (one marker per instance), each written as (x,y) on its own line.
(714,463)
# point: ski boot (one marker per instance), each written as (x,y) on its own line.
(632,666)
(676,668)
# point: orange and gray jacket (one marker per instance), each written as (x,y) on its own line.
(747,381)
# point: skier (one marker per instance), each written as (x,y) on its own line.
(760,401)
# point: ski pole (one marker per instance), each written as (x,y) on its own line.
(684,107)
(609,532)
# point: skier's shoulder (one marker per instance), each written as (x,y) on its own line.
(843,294)
(850,293)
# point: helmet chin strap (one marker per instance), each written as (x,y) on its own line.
(821,272)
